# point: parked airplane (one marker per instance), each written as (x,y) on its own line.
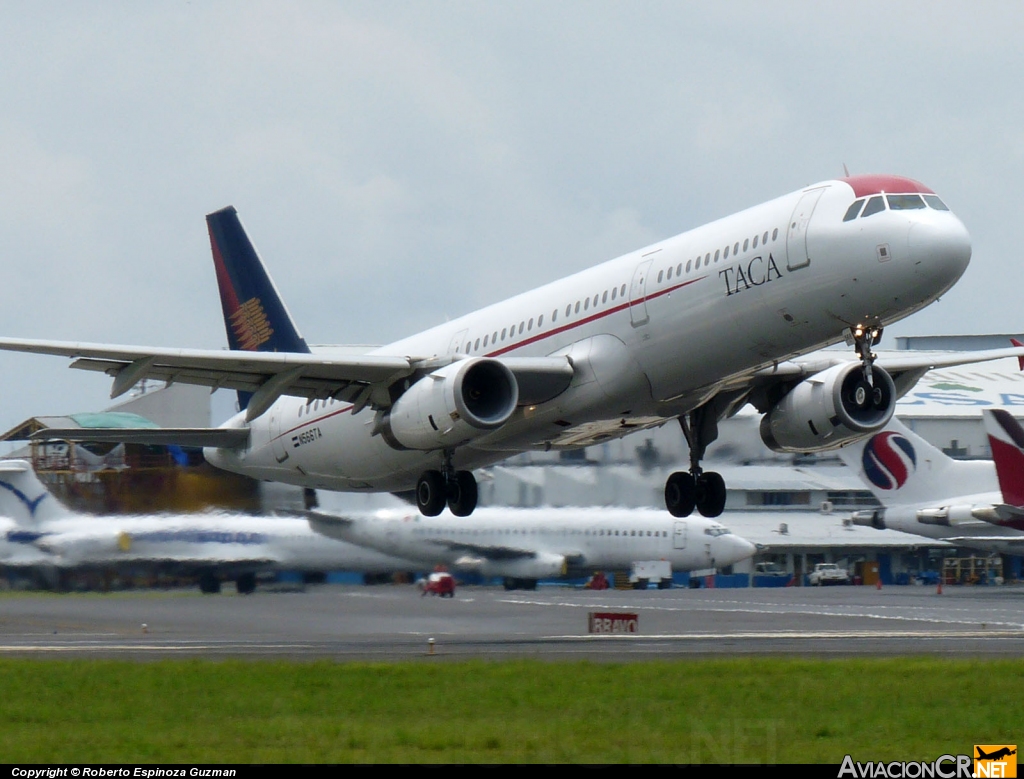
(690,328)
(927,493)
(39,532)
(524,545)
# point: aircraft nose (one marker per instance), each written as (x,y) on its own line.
(941,246)
(732,549)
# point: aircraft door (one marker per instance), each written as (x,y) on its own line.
(276,441)
(679,534)
(456,344)
(638,295)
(796,236)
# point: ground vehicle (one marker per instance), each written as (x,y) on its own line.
(439,583)
(646,571)
(828,573)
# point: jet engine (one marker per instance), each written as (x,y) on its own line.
(541,565)
(452,405)
(829,409)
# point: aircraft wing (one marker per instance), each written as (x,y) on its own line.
(199,437)
(905,367)
(490,552)
(360,379)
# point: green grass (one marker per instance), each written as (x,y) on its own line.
(731,710)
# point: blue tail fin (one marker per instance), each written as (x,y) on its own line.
(255,317)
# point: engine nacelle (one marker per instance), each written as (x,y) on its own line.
(543,565)
(452,405)
(829,409)
(870,518)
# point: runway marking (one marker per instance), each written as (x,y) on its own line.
(788,635)
(858,611)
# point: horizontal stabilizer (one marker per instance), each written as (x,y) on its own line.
(221,437)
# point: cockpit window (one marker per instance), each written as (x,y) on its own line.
(853,210)
(716,530)
(875,204)
(934,202)
(905,202)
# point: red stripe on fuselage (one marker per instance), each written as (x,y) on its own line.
(589,319)
(530,340)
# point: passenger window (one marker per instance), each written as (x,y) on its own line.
(577,309)
(736,248)
(697,265)
(764,238)
(725,254)
(597,297)
(604,297)
(554,315)
(875,204)
(661,275)
(679,269)
(668,273)
(540,321)
(586,304)
(623,290)
(934,202)
(529,325)
(521,326)
(853,210)
(717,252)
(905,202)
(775,234)
(755,241)
(746,244)
(476,346)
(503,331)
(688,264)
(494,338)
(568,309)
(615,292)
(485,340)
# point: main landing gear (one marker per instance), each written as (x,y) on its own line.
(705,491)
(456,489)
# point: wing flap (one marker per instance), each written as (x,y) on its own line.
(227,437)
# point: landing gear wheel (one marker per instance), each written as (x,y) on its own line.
(245,584)
(209,584)
(710,494)
(430,493)
(680,494)
(462,493)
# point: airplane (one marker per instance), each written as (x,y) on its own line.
(999,753)
(690,329)
(524,545)
(40,533)
(925,492)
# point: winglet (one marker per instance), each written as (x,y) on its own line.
(1020,359)
(1006,438)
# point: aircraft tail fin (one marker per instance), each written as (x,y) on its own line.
(1006,437)
(255,316)
(24,498)
(900,467)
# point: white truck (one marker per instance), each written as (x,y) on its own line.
(828,573)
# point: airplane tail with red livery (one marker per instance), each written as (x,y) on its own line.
(255,316)
(1006,437)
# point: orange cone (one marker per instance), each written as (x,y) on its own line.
(878,584)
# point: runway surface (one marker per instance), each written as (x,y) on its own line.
(393,622)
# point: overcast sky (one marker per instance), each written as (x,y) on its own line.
(400,163)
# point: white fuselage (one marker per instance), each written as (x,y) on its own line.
(651,335)
(537,543)
(196,541)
